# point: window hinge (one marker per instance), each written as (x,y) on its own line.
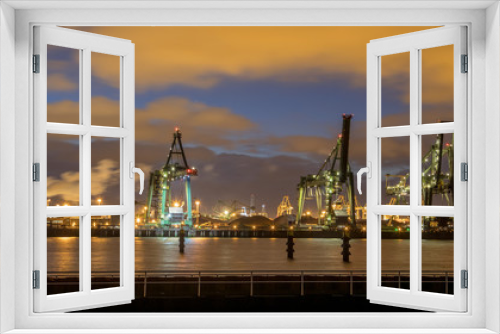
(465,64)
(36,172)
(36,279)
(36,63)
(464,171)
(464,279)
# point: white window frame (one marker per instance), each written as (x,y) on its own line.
(414,44)
(482,18)
(85,43)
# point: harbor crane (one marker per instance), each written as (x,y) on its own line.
(435,180)
(285,207)
(333,178)
(160,202)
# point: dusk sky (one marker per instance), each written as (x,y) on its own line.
(257,106)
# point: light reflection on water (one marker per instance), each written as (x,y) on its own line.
(243,254)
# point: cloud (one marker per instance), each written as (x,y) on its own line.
(66,186)
(307,145)
(203,56)
(203,124)
(59,82)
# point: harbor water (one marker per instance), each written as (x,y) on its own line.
(244,254)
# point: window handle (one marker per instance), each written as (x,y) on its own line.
(368,171)
(139,171)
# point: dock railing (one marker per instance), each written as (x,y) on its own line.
(198,283)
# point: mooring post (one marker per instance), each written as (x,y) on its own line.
(345,247)
(181,239)
(290,243)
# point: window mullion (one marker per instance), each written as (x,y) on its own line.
(85,168)
(415,92)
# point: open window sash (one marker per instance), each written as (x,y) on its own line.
(414,43)
(84,44)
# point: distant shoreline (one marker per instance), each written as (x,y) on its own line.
(107,232)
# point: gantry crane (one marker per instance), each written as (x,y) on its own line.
(334,175)
(285,207)
(176,169)
(434,180)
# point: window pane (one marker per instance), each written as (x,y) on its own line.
(437,254)
(63,170)
(63,255)
(437,169)
(105,171)
(395,252)
(105,252)
(395,90)
(63,85)
(395,168)
(105,90)
(437,84)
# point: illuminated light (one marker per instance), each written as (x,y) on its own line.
(396,229)
(253,227)
(272,227)
(310,227)
(216,226)
(235,226)
(226,212)
(73,224)
(138,220)
(176,129)
(176,204)
(291,227)
(197,202)
(66,204)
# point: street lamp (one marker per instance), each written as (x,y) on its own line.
(99,201)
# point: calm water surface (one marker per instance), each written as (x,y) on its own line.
(244,254)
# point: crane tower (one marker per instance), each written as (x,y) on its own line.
(334,175)
(169,210)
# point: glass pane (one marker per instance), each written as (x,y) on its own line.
(105,251)
(437,254)
(437,169)
(63,255)
(395,89)
(105,90)
(395,168)
(63,85)
(105,171)
(437,84)
(395,252)
(63,170)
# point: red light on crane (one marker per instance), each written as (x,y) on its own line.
(176,129)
